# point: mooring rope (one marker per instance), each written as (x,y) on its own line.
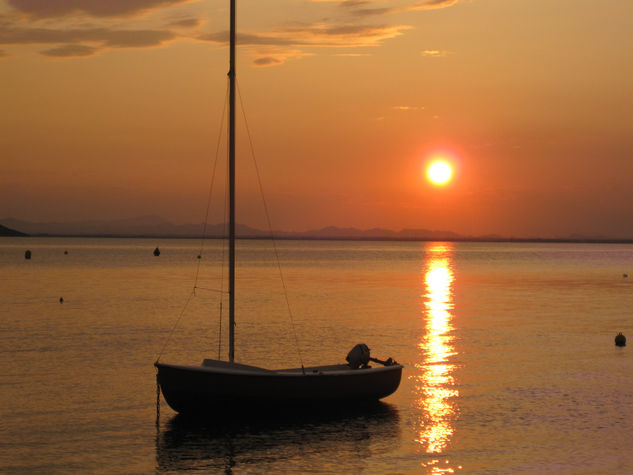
(157,402)
(270,228)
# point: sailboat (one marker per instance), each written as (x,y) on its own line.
(217,386)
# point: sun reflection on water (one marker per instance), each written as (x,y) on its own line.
(435,386)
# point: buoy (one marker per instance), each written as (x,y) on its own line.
(61,299)
(157,252)
(199,256)
(625,275)
(620,340)
(65,252)
(27,254)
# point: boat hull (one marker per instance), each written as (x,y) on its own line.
(195,389)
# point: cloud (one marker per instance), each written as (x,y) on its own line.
(316,35)
(284,42)
(407,108)
(267,61)
(97,8)
(104,36)
(136,38)
(343,3)
(33,22)
(73,40)
(434,53)
(432,4)
(186,23)
(69,50)
(247,39)
(345,35)
(362,8)
(353,3)
(44,22)
(274,57)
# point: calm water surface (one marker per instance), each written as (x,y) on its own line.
(510,365)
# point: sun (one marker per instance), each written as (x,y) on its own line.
(439,172)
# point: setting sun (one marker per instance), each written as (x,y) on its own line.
(439,172)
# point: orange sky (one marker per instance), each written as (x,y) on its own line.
(111,109)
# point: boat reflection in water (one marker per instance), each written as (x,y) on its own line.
(435,386)
(342,440)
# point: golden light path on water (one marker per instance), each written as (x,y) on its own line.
(436,389)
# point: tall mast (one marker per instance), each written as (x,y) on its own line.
(232,186)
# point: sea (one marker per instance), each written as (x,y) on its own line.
(508,350)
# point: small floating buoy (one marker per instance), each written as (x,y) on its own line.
(61,299)
(620,340)
(65,252)
(157,252)
(199,256)
(625,275)
(27,254)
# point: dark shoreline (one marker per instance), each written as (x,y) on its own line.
(341,238)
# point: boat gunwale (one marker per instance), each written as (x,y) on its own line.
(287,373)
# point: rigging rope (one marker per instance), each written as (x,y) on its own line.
(225,232)
(210,195)
(182,312)
(204,230)
(270,228)
(204,233)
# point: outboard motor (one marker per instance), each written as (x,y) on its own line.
(358,356)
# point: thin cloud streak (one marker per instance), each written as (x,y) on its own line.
(274,58)
(72,42)
(318,35)
(97,8)
(407,108)
(362,7)
(434,53)
(70,50)
(352,55)
(104,36)
(186,23)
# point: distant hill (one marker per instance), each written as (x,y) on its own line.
(145,226)
(332,232)
(4,231)
(154,226)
